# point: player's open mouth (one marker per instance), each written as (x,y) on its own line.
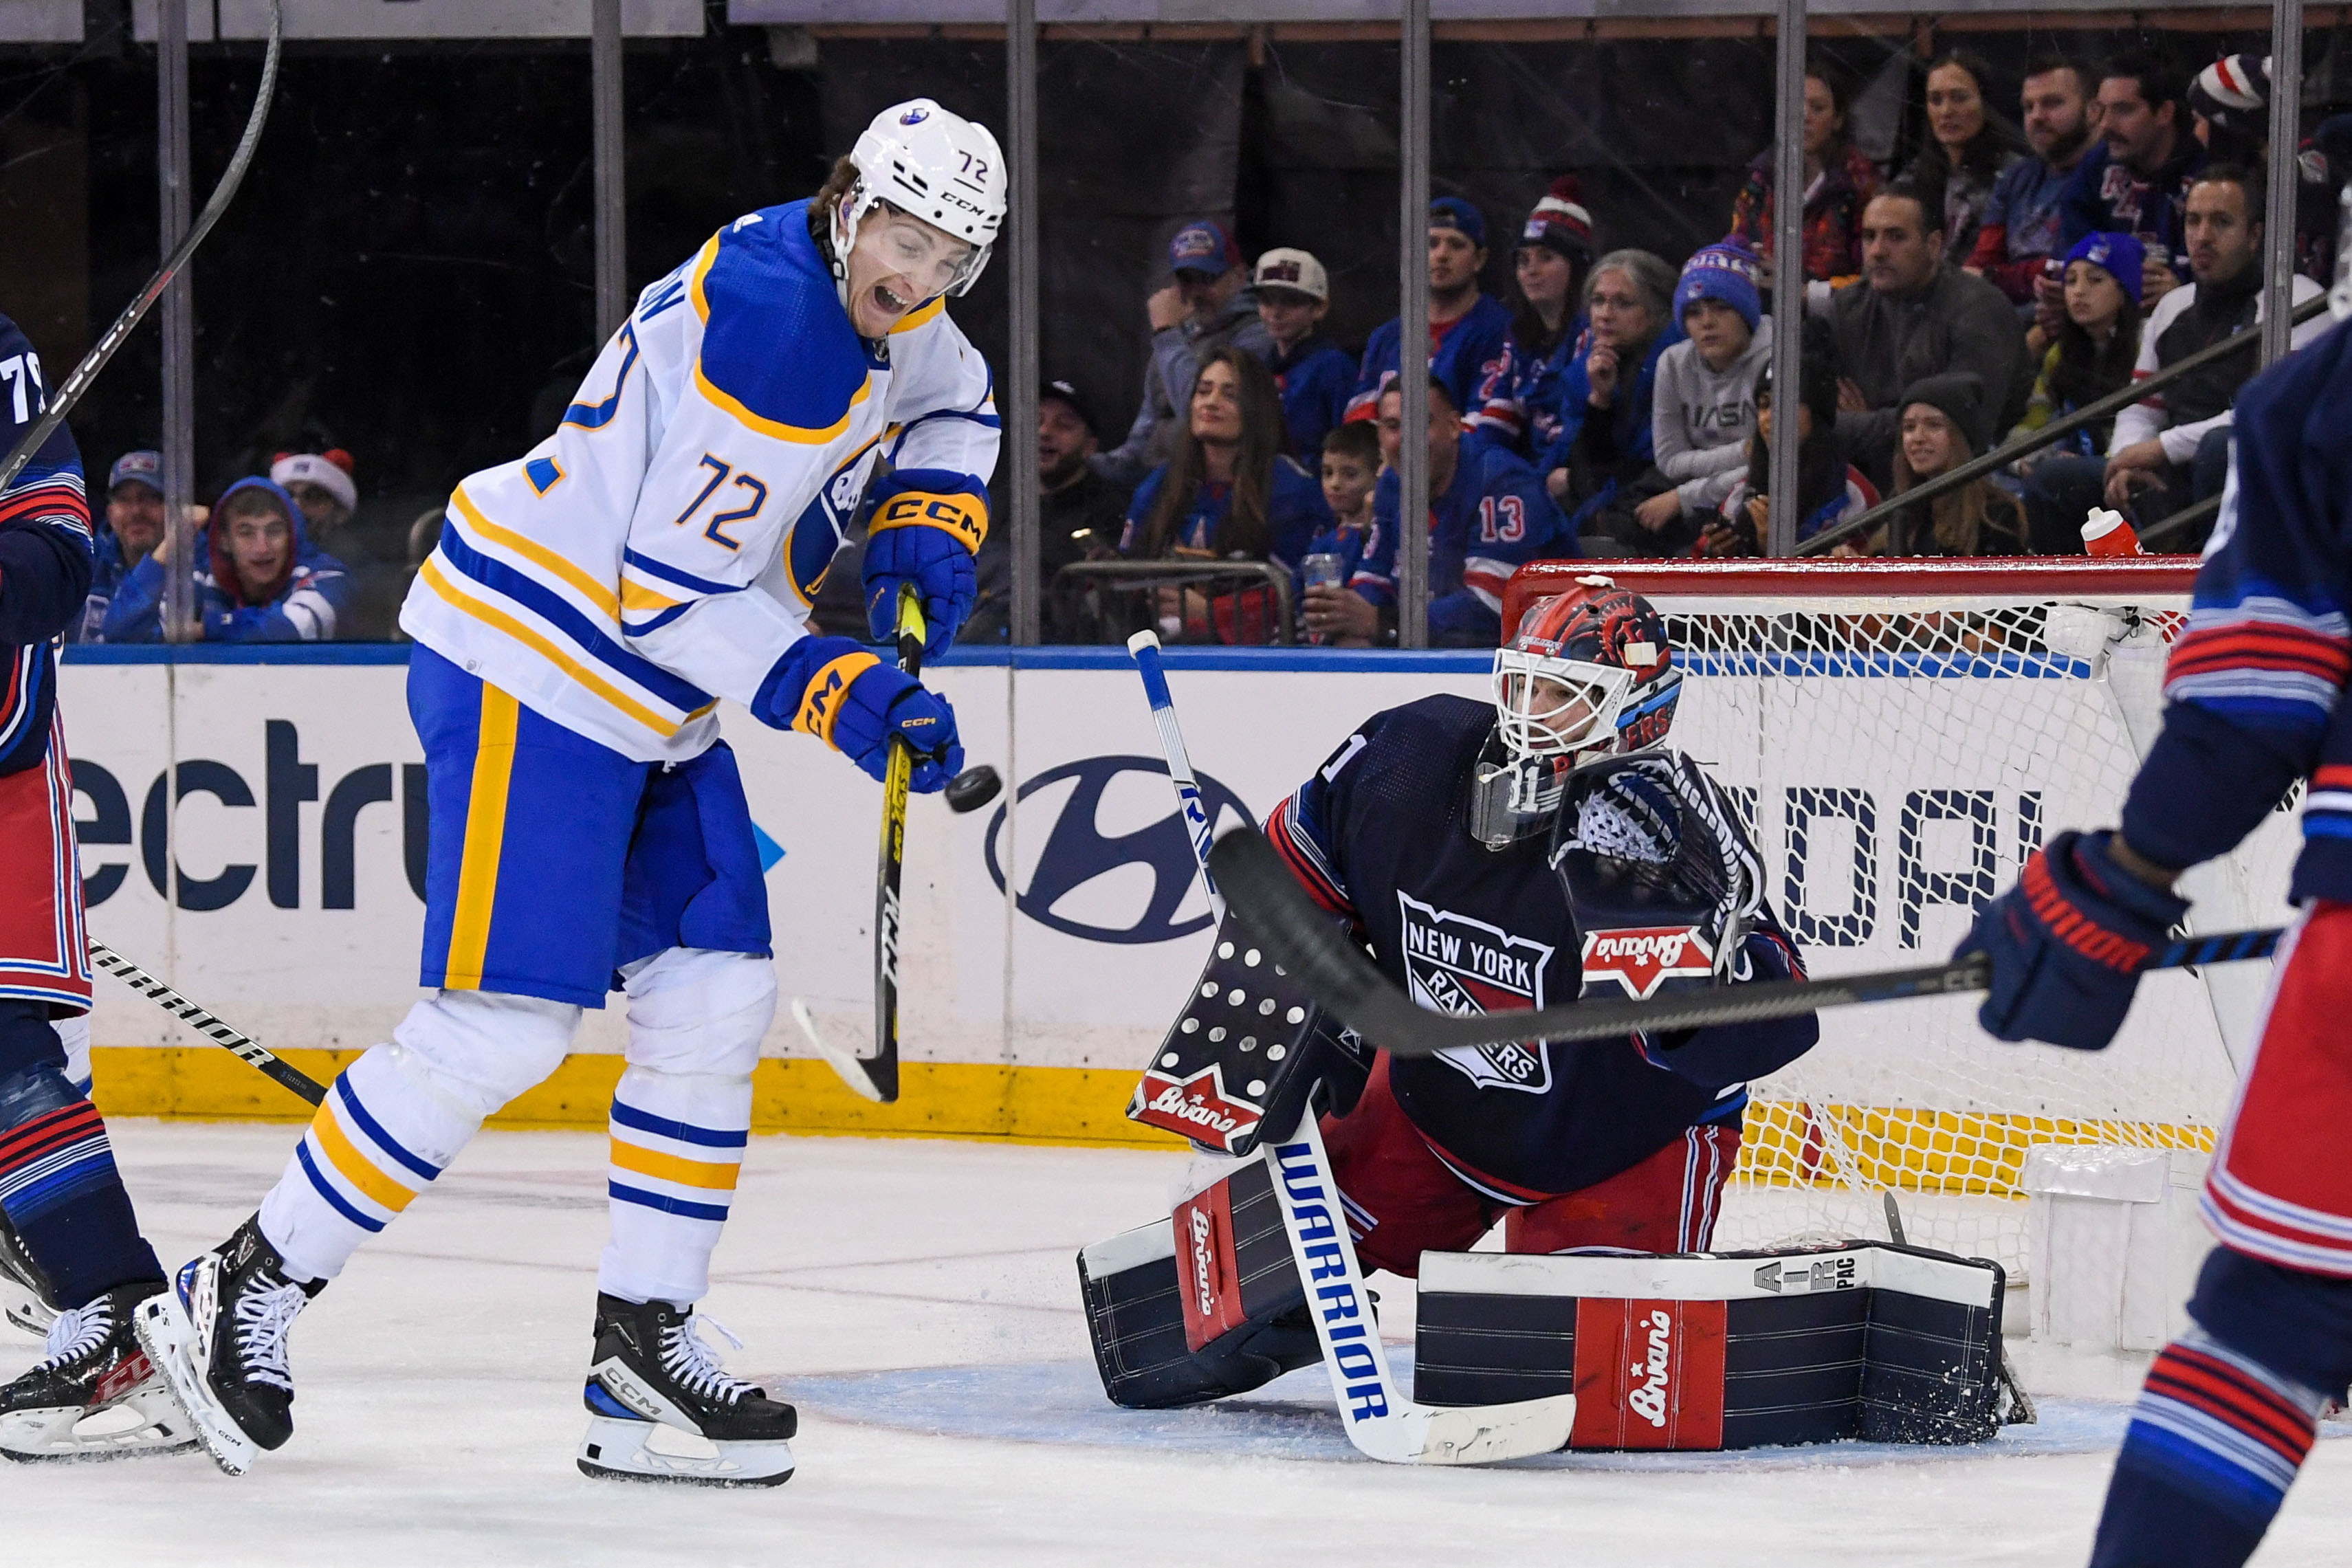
(888,300)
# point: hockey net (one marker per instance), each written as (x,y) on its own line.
(1902,735)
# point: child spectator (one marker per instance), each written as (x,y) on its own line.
(321,484)
(258,579)
(1945,423)
(1488,515)
(1630,304)
(1229,493)
(1522,402)
(133,527)
(1966,153)
(1838,181)
(2096,343)
(1467,329)
(2018,232)
(1351,467)
(1828,488)
(1703,407)
(1208,307)
(1315,376)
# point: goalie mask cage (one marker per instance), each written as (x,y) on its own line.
(1901,735)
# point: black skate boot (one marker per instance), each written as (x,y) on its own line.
(650,1370)
(27,1297)
(218,1336)
(61,1409)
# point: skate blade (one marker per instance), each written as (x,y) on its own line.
(25,1310)
(167,1334)
(620,1450)
(155,1427)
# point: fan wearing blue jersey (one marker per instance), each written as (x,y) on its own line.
(587,607)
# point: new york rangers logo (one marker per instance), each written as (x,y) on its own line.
(1641,960)
(1458,964)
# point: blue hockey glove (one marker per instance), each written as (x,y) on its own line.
(2067,944)
(836,690)
(927,525)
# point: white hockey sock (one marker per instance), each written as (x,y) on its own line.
(677,1147)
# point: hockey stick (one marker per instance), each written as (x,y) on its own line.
(1343,977)
(1145,646)
(1381,1421)
(69,392)
(234,1041)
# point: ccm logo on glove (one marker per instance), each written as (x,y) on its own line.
(821,705)
(958,515)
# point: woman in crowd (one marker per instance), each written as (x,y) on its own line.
(2096,345)
(1523,401)
(1945,423)
(1629,306)
(1965,150)
(1839,183)
(1228,494)
(1828,487)
(259,577)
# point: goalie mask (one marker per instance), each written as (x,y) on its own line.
(1588,674)
(930,164)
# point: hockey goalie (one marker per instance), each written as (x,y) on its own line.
(1495,858)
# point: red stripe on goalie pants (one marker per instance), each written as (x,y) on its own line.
(43,950)
(2280,1187)
(1649,1375)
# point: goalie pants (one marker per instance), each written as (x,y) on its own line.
(1406,1197)
(558,870)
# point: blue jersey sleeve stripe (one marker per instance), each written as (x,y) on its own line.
(675,576)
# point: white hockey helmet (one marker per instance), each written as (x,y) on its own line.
(934,164)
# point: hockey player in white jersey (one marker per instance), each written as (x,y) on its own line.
(588,606)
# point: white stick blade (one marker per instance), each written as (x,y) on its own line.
(1146,638)
(1485,1434)
(852,1070)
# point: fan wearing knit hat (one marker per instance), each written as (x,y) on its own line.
(1522,403)
(321,484)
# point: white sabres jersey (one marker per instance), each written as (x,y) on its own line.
(661,548)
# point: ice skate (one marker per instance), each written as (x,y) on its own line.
(652,1371)
(218,1336)
(98,1396)
(24,1293)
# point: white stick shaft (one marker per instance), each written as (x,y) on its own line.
(1145,647)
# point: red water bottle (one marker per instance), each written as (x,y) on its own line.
(2105,533)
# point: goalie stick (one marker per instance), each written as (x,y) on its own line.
(1342,976)
(69,391)
(243,1046)
(1145,646)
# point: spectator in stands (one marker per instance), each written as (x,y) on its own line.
(1839,181)
(1080,514)
(1704,408)
(133,527)
(258,579)
(2096,345)
(2136,180)
(1828,487)
(1967,153)
(1466,327)
(1315,376)
(1351,467)
(1918,317)
(1945,423)
(1488,514)
(1229,493)
(2017,233)
(2171,449)
(321,484)
(2230,113)
(1208,307)
(1523,401)
(1605,471)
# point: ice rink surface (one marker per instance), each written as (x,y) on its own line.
(918,1301)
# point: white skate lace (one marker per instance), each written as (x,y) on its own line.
(262,1316)
(76,1332)
(694,1364)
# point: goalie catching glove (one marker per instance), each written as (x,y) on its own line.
(836,690)
(927,526)
(2067,944)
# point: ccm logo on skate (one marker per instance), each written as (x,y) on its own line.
(1642,960)
(1072,886)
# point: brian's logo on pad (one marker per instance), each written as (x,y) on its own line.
(1196,1107)
(1641,960)
(1461,966)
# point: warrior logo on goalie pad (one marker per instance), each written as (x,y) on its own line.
(1458,964)
(1643,960)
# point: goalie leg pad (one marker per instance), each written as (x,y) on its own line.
(1202,1306)
(1862,1341)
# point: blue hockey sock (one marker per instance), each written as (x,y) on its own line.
(2214,1443)
(57,1182)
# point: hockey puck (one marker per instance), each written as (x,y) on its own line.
(974,787)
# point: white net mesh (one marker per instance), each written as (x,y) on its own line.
(1902,740)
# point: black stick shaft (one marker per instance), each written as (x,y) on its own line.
(883,1068)
(210,1025)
